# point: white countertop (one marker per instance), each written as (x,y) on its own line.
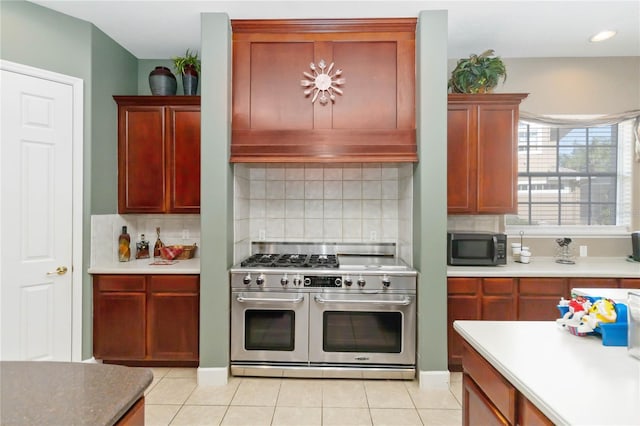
(572,380)
(602,267)
(142,266)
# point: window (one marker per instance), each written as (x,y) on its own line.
(573,176)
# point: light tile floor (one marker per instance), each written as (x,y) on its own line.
(174,398)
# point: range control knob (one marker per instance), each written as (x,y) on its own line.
(284,281)
(348,281)
(361,282)
(260,279)
(297,280)
(247,279)
(386,281)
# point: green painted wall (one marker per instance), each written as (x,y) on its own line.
(430,190)
(42,38)
(216,210)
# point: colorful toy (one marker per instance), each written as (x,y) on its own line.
(578,307)
(602,311)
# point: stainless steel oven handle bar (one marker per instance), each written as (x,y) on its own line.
(243,299)
(403,302)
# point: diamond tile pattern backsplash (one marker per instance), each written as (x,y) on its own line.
(174,229)
(370,202)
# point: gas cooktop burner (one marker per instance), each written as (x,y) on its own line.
(260,260)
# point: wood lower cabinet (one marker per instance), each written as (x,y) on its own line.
(482,143)
(463,303)
(488,398)
(119,317)
(538,298)
(173,327)
(498,299)
(508,299)
(151,319)
(158,154)
(630,283)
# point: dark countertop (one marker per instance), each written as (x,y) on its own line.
(68,393)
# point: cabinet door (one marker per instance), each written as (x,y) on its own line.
(183,159)
(498,301)
(477,409)
(461,161)
(141,159)
(463,303)
(497,158)
(592,283)
(538,298)
(530,415)
(119,317)
(174,307)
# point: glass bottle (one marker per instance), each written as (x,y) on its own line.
(124,251)
(142,248)
(158,245)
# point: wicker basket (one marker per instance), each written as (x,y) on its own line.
(187,252)
(183,252)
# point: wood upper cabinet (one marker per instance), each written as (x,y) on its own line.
(482,164)
(372,120)
(158,154)
(150,319)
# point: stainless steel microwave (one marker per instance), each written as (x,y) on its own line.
(476,249)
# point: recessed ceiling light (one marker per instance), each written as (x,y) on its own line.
(602,36)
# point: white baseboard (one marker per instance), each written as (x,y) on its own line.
(434,379)
(92,360)
(213,376)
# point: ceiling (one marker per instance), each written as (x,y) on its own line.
(514,29)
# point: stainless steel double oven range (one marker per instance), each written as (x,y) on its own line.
(323,310)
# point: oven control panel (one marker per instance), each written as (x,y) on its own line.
(290,281)
(322,281)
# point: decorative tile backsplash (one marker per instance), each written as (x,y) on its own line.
(370,202)
(174,229)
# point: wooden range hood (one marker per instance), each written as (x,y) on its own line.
(373,120)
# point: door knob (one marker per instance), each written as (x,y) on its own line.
(60,270)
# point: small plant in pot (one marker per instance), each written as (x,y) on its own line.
(478,73)
(189,67)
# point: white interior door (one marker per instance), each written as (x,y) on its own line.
(36,218)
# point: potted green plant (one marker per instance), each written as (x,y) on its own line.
(478,73)
(189,67)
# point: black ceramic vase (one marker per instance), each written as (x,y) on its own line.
(162,82)
(190,80)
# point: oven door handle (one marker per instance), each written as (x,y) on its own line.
(402,302)
(243,299)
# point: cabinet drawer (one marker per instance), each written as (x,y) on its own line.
(174,283)
(543,286)
(468,286)
(501,393)
(592,283)
(498,286)
(119,282)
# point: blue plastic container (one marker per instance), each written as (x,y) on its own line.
(613,333)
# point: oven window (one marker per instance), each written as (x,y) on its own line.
(269,330)
(375,332)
